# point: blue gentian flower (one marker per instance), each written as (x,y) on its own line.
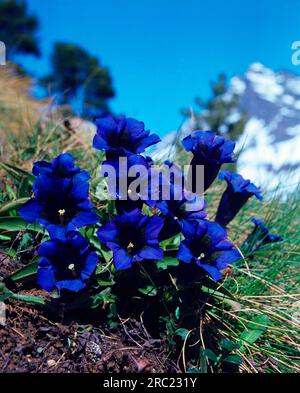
(263,233)
(149,180)
(206,246)
(177,217)
(260,236)
(176,212)
(60,195)
(235,196)
(133,237)
(66,263)
(122,136)
(122,194)
(209,150)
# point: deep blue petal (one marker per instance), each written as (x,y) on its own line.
(184,253)
(32,210)
(100,143)
(225,258)
(42,167)
(146,142)
(122,260)
(212,271)
(235,196)
(71,285)
(150,253)
(89,266)
(153,227)
(83,219)
(50,248)
(64,165)
(46,275)
(108,232)
(80,186)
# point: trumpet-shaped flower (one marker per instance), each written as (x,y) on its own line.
(122,136)
(124,175)
(235,196)
(133,237)
(178,216)
(263,233)
(260,236)
(181,208)
(209,150)
(66,263)
(206,246)
(60,195)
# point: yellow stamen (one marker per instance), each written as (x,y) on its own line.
(130,247)
(61,213)
(71,266)
(201,256)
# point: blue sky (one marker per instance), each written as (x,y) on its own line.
(163,53)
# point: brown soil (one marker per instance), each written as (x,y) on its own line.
(31,341)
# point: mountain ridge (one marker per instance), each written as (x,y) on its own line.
(269,146)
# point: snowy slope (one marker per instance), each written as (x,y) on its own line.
(270,144)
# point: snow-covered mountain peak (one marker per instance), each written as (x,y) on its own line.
(270,143)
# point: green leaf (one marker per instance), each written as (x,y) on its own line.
(17,173)
(11,252)
(5,296)
(167,262)
(4,292)
(235,359)
(102,297)
(228,345)
(255,329)
(224,295)
(5,238)
(210,355)
(12,205)
(105,283)
(259,322)
(149,290)
(215,289)
(203,362)
(182,333)
(105,252)
(25,272)
(29,299)
(16,224)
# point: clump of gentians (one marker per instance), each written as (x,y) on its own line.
(61,204)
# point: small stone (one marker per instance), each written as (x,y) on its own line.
(51,362)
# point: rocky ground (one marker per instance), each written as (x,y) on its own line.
(32,341)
